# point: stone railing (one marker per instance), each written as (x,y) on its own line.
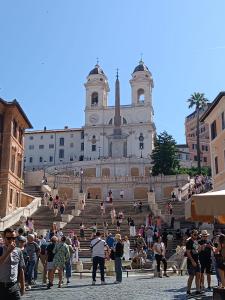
(15,216)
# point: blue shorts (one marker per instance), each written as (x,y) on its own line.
(193,270)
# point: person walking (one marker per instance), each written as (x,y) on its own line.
(160,252)
(68,264)
(118,254)
(98,257)
(12,280)
(62,208)
(193,264)
(76,248)
(33,251)
(62,255)
(205,258)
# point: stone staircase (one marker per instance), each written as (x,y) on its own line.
(34,191)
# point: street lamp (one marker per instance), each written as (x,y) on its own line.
(150,180)
(55,174)
(141,147)
(99,148)
(81,180)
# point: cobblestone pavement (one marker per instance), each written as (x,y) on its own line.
(131,288)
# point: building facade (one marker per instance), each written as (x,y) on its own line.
(190,132)
(129,128)
(13,123)
(214,117)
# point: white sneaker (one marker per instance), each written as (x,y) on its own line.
(28,288)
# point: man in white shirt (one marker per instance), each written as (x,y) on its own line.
(98,256)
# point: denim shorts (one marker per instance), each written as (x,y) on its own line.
(193,270)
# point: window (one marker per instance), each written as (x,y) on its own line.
(41,137)
(61,153)
(71,157)
(213,130)
(15,128)
(205,159)
(31,137)
(94,99)
(40,159)
(30,159)
(223,120)
(203,147)
(41,146)
(193,146)
(13,161)
(20,135)
(216,165)
(82,146)
(61,141)
(82,135)
(11,196)
(51,146)
(195,158)
(206,148)
(50,158)
(17,199)
(141,95)
(51,137)
(93,148)
(71,145)
(19,168)
(31,147)
(71,135)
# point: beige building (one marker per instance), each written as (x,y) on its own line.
(215,118)
(13,122)
(191,139)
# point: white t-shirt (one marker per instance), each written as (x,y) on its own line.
(160,247)
(98,249)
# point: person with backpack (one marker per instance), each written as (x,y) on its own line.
(49,259)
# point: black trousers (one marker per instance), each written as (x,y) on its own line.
(97,260)
(10,293)
(159,259)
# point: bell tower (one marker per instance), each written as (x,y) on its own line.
(141,85)
(97,89)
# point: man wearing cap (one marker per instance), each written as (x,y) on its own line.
(11,268)
(193,264)
(205,258)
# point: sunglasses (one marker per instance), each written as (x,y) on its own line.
(10,238)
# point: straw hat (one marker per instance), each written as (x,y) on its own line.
(204,233)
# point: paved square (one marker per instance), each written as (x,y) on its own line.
(138,288)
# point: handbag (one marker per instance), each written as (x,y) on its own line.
(112,254)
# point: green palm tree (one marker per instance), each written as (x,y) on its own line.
(198,101)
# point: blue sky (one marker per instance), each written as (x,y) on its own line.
(49,46)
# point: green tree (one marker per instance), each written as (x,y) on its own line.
(164,155)
(198,101)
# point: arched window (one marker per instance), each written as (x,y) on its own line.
(141,95)
(94,99)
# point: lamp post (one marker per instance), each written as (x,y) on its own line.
(81,180)
(141,147)
(55,174)
(99,148)
(150,180)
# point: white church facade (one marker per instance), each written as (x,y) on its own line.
(110,132)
